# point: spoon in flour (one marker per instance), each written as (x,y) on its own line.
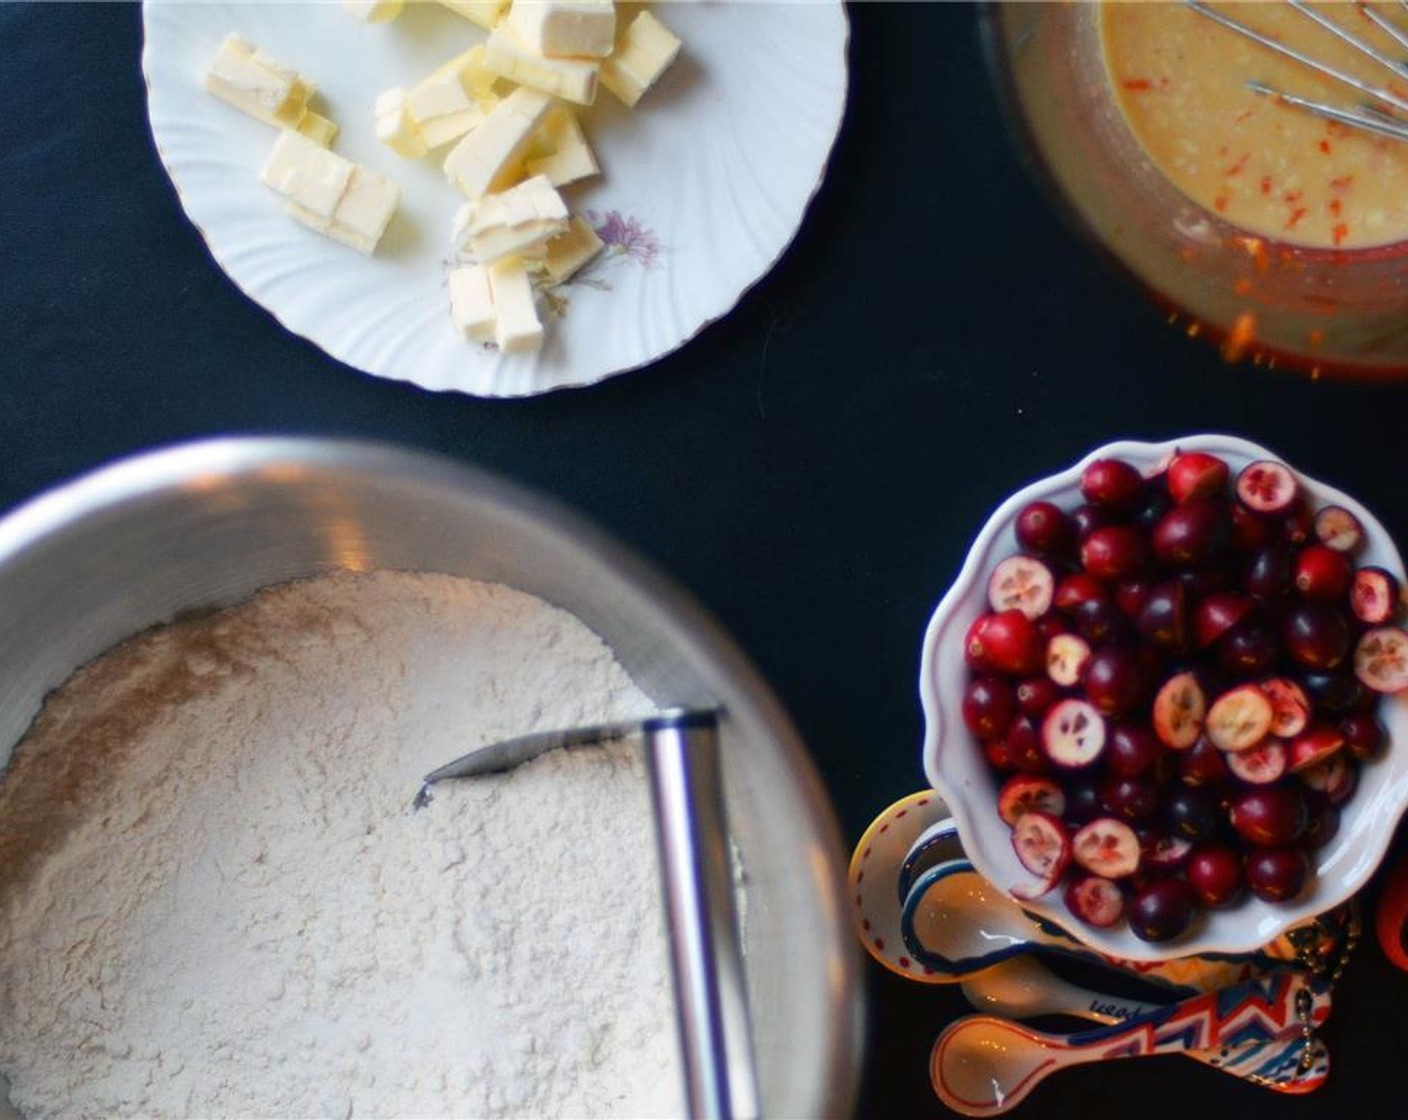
(686,787)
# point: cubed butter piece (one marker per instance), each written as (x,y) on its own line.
(318,128)
(486,13)
(565,28)
(572,79)
(328,193)
(395,127)
(516,221)
(569,252)
(490,157)
(645,49)
(560,151)
(516,324)
(375,11)
(471,302)
(453,99)
(243,76)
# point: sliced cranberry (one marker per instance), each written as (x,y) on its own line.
(1196,474)
(1027,793)
(1095,901)
(1179,711)
(1381,659)
(1067,656)
(1374,595)
(1042,845)
(1239,719)
(1262,764)
(1107,847)
(1021,583)
(1290,708)
(1267,487)
(1337,528)
(1216,614)
(1073,734)
(1314,745)
(1164,852)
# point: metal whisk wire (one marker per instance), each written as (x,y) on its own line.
(1368,117)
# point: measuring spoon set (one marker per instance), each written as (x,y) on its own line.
(922,911)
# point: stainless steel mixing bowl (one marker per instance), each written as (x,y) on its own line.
(207,524)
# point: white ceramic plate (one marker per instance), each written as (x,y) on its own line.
(958,772)
(705,183)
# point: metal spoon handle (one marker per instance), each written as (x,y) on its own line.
(686,781)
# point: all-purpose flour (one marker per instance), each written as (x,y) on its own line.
(215,901)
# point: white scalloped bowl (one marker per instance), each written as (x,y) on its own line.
(957,770)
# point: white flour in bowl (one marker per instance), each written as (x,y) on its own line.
(215,900)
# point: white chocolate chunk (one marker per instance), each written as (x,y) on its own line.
(644,51)
(396,128)
(572,79)
(243,76)
(318,128)
(328,193)
(486,13)
(471,302)
(569,252)
(560,151)
(489,158)
(565,28)
(516,324)
(517,221)
(375,11)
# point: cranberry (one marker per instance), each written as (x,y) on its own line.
(1162,910)
(1249,531)
(1215,873)
(1131,595)
(1251,649)
(1133,749)
(1270,815)
(1363,735)
(1100,622)
(1322,573)
(1324,826)
(1270,574)
(1337,691)
(1036,694)
(1114,682)
(1042,528)
(1087,518)
(1114,552)
(1163,620)
(1023,746)
(1111,483)
(988,707)
(1316,635)
(1202,765)
(1083,802)
(1192,533)
(1077,589)
(1131,799)
(1297,524)
(1277,874)
(1191,813)
(1151,507)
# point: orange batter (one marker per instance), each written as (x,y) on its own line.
(1267,167)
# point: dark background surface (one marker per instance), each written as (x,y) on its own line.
(811,468)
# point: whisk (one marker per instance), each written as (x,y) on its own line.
(1368,115)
